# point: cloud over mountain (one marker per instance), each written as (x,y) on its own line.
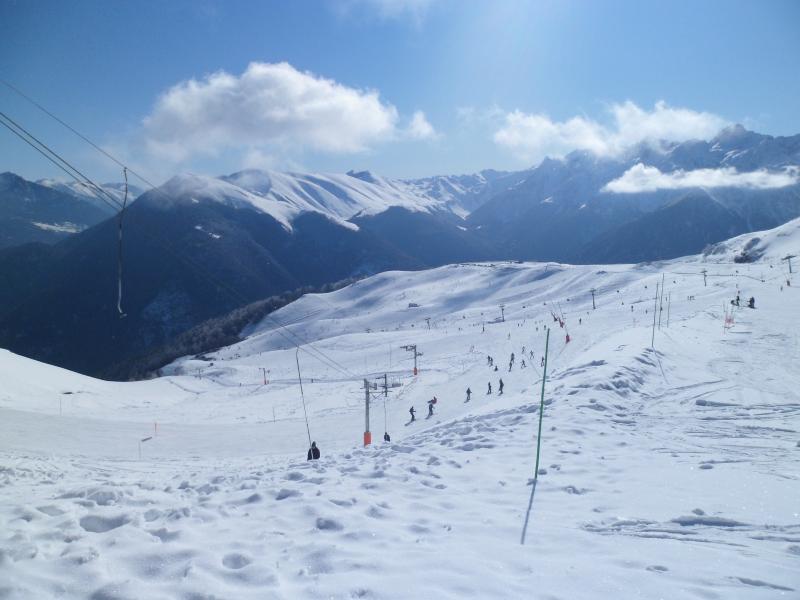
(642,178)
(531,137)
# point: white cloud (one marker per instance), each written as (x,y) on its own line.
(642,178)
(420,128)
(533,136)
(269,105)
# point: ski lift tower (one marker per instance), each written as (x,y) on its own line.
(413,348)
(788,258)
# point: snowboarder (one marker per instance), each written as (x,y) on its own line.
(411,411)
(469,393)
(500,385)
(313,452)
(751,303)
(430,406)
(386,437)
(490,389)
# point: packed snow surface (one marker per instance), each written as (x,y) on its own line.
(667,471)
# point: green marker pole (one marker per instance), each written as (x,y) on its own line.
(541,406)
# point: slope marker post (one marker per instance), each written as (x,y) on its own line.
(538,441)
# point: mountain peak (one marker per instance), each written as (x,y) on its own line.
(737,136)
(367,176)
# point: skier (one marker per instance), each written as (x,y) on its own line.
(430,406)
(531,355)
(313,452)
(411,411)
(751,303)
(469,393)
(512,358)
(386,437)
(501,387)
(490,389)
(488,360)
(523,365)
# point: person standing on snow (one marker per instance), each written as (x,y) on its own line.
(386,437)
(469,393)
(490,389)
(501,387)
(411,411)
(313,452)
(430,406)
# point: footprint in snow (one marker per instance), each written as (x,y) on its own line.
(234,560)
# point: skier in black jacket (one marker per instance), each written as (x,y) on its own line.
(313,452)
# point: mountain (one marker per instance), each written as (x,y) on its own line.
(30,212)
(199,247)
(462,194)
(562,210)
(79,190)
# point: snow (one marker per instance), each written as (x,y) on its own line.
(65,227)
(666,473)
(285,196)
(767,246)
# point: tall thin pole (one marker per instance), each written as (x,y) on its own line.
(541,404)
(669,302)
(302,395)
(655,306)
(661,302)
(367,435)
(538,442)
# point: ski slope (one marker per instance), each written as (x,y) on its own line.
(670,472)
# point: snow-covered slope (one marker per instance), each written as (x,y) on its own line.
(770,246)
(285,196)
(666,473)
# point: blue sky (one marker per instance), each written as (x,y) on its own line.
(402,87)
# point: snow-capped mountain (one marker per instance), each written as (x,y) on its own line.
(30,212)
(79,190)
(462,194)
(198,247)
(340,197)
(568,210)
